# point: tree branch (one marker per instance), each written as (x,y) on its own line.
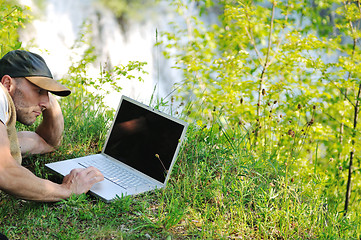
(356,111)
(266,63)
(279,40)
(344,93)
(9,13)
(251,38)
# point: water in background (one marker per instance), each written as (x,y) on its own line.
(57,25)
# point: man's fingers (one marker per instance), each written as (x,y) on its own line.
(93,172)
(84,172)
(96,179)
(91,175)
(76,170)
(95,176)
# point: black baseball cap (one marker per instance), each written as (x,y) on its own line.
(20,63)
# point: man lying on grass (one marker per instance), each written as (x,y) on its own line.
(26,84)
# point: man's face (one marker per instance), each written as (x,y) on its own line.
(30,101)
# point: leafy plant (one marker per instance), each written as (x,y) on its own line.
(12,18)
(292,61)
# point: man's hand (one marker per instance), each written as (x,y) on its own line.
(49,133)
(80,180)
(52,126)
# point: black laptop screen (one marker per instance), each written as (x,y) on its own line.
(144,140)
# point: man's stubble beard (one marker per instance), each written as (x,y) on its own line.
(23,111)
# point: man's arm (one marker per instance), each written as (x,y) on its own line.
(48,135)
(22,183)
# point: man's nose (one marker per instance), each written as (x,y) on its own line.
(44,101)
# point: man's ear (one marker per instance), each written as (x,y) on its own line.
(7,82)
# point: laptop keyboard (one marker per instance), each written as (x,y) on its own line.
(115,174)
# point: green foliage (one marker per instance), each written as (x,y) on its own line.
(286,71)
(12,18)
(82,84)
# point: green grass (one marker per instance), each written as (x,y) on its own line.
(219,189)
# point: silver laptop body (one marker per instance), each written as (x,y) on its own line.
(138,155)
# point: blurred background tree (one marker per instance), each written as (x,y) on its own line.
(126,10)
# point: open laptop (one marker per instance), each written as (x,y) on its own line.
(138,155)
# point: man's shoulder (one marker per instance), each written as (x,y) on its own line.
(4,137)
(4,106)
(2,91)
